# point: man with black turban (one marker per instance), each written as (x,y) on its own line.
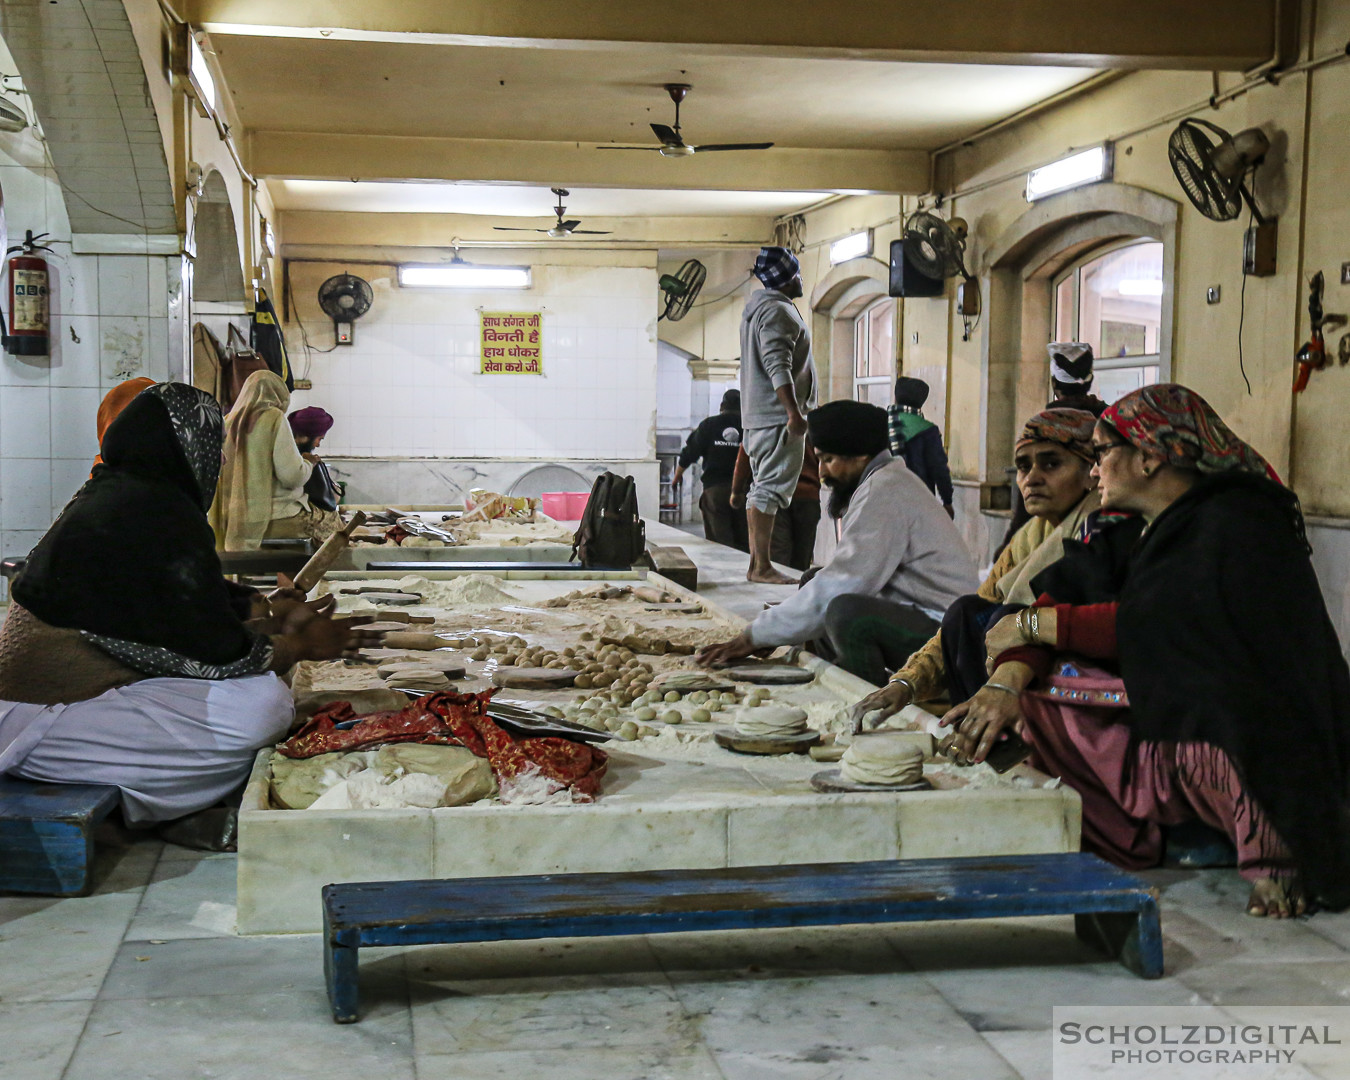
(899,564)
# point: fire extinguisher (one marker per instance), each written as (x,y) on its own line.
(28,323)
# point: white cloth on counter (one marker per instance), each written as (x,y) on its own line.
(897,544)
(174,746)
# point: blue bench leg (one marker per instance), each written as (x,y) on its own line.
(1133,938)
(340,973)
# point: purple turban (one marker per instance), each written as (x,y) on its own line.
(310,423)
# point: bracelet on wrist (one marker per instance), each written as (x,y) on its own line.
(1004,687)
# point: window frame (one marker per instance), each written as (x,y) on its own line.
(1073,272)
(862,337)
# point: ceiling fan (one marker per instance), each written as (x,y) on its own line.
(672,145)
(562,228)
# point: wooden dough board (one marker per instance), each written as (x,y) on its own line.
(534,678)
(770,674)
(832,782)
(731,739)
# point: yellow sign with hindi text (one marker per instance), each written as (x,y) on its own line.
(511,343)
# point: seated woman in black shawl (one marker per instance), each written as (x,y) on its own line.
(125,656)
(1161,707)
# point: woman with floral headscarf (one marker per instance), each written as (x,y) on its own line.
(1054,461)
(124,659)
(1212,687)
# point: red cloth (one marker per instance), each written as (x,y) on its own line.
(451,719)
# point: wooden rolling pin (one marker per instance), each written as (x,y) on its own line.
(311,573)
(408,639)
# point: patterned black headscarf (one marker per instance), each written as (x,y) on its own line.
(132,562)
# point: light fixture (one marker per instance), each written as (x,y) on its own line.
(462,275)
(853,246)
(1145,287)
(1086,167)
(269,237)
(199,75)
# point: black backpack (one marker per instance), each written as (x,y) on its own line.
(611,533)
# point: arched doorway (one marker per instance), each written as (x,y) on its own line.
(841,296)
(1024,275)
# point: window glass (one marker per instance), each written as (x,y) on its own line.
(880,340)
(1120,301)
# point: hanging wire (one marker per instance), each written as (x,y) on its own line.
(1242,318)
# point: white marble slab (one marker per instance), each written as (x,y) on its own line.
(703,807)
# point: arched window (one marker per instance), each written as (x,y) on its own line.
(1113,300)
(874,353)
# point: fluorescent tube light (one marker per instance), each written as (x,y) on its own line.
(1074,171)
(1146,287)
(851,247)
(200,73)
(465,276)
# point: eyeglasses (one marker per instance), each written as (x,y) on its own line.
(1100,450)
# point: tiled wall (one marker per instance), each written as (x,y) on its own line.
(409,386)
(109,322)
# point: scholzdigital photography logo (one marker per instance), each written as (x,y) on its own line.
(1204,1042)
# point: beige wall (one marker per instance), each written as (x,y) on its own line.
(1306,118)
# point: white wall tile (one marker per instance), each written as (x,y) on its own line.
(124,348)
(123,284)
(25,422)
(74,412)
(25,493)
(68,476)
(74,285)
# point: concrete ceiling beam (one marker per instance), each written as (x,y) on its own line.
(1177,34)
(318,156)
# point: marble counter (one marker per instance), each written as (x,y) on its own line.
(665,806)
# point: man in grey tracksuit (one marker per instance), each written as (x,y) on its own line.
(899,565)
(778,386)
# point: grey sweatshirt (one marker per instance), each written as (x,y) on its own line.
(897,543)
(775,351)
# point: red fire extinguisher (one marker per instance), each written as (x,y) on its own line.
(29,318)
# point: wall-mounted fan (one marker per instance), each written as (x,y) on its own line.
(680,289)
(936,248)
(561,228)
(672,142)
(344,299)
(1213,168)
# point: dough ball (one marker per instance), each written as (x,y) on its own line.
(672,716)
(672,696)
(698,697)
(646,713)
(479,654)
(700,716)
(628,731)
(582,681)
(586,635)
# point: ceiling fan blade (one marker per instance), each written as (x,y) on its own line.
(733,146)
(516,228)
(607,147)
(590,232)
(570,226)
(667,134)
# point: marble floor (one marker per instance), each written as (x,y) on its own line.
(146,980)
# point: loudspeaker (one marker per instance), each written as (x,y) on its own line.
(907,281)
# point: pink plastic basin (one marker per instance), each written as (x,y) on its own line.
(576,504)
(554,504)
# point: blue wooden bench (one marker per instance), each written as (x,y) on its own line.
(1113,910)
(47,835)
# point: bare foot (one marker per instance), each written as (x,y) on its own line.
(1274,899)
(769,577)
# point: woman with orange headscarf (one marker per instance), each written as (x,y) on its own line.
(114,401)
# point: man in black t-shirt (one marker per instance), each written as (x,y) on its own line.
(716,441)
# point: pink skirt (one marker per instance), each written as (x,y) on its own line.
(1077,724)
